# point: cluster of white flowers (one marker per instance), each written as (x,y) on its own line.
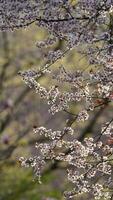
(107,129)
(82,116)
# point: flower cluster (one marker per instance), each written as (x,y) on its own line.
(82,116)
(36,162)
(87,160)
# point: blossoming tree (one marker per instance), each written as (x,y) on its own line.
(85,26)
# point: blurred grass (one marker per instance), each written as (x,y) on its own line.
(18,184)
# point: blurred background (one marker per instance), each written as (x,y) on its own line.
(21,110)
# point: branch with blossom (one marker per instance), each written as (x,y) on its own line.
(87,28)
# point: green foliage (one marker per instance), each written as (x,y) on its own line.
(18,184)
